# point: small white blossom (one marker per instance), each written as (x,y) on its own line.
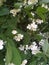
(21,48)
(27,47)
(4,59)
(32,14)
(32,1)
(29,27)
(1,44)
(24,48)
(45,6)
(14,32)
(34,48)
(14,11)
(24,62)
(34,43)
(18,37)
(39,21)
(33,26)
(35,52)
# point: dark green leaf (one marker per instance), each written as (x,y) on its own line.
(4,11)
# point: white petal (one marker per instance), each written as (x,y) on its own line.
(14,32)
(1,47)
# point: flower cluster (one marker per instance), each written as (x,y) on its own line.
(45,6)
(32,1)
(33,26)
(14,11)
(17,37)
(33,47)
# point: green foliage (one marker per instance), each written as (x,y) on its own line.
(12,54)
(17,5)
(4,11)
(46,48)
(41,12)
(19,22)
(46,1)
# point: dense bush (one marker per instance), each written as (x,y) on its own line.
(24,32)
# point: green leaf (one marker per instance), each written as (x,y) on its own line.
(28,7)
(8,53)
(28,13)
(4,11)
(26,38)
(33,63)
(12,54)
(45,1)
(38,37)
(16,57)
(45,48)
(17,5)
(41,12)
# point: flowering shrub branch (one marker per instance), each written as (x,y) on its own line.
(24,32)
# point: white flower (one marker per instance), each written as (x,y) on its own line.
(45,6)
(39,21)
(34,43)
(32,14)
(14,11)
(21,47)
(14,32)
(27,47)
(4,59)
(1,44)
(34,48)
(11,64)
(32,1)
(35,52)
(19,37)
(24,48)
(24,62)
(32,26)
(29,27)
